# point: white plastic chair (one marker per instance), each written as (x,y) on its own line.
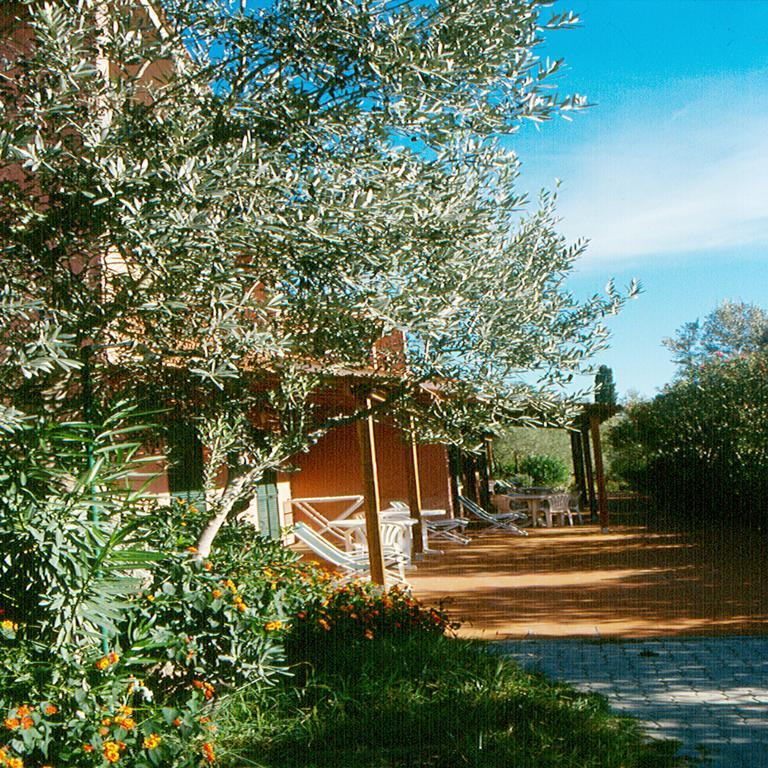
(559,504)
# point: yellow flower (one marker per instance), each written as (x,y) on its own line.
(112,751)
(151,741)
(12,723)
(14,762)
(272,626)
(11,626)
(125,722)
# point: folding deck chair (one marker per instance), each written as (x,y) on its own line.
(355,564)
(446,528)
(502,521)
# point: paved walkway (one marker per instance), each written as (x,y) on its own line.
(709,693)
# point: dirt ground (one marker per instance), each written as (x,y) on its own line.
(630,582)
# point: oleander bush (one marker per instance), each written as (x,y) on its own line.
(117,640)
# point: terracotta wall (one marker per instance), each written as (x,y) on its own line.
(332,468)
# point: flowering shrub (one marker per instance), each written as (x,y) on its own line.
(91,710)
(359,612)
(192,622)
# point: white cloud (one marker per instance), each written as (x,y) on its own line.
(691,180)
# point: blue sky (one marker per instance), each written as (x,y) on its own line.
(667,175)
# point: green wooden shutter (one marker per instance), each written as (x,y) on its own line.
(185,468)
(268,506)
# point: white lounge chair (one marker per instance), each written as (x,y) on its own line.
(504,521)
(325,525)
(444,527)
(355,564)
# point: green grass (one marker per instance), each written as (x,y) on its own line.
(429,701)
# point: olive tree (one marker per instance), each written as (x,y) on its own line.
(216,205)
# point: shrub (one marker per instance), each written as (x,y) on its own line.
(358,612)
(113,646)
(700,448)
(545,470)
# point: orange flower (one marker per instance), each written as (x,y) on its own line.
(151,741)
(12,723)
(216,594)
(208,752)
(23,710)
(87,748)
(112,750)
(125,722)
(102,663)
(368,634)
(230,585)
(51,709)
(207,565)
(324,624)
(14,762)
(113,658)
(193,550)
(27,722)
(177,722)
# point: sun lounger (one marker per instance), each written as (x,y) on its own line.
(504,521)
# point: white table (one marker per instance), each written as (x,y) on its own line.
(404,514)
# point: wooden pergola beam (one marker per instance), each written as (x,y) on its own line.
(597,449)
(577,454)
(366,439)
(589,474)
(414,487)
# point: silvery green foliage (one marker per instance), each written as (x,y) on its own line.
(220,196)
(733,328)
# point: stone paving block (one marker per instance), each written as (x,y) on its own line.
(709,693)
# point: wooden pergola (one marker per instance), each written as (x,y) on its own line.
(586,452)
(586,448)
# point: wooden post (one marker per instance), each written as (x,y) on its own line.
(453,479)
(577,454)
(470,477)
(367,443)
(597,448)
(414,488)
(589,475)
(484,481)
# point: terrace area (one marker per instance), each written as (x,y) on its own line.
(632,582)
